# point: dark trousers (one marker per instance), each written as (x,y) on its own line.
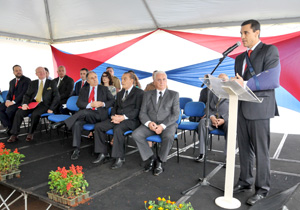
(76,122)
(35,118)
(119,138)
(254,141)
(7,114)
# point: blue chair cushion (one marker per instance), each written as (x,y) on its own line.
(217,132)
(58,117)
(128,132)
(47,114)
(188,125)
(88,127)
(110,132)
(154,138)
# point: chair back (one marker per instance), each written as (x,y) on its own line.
(4,95)
(194,109)
(183,101)
(179,118)
(71,103)
(109,111)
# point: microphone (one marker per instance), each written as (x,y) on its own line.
(230,49)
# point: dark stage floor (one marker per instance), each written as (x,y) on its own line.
(128,187)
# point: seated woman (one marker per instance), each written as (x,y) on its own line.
(106,80)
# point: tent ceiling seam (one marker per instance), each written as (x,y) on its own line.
(151,14)
(48,20)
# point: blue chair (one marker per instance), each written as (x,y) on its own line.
(43,119)
(4,95)
(157,139)
(192,109)
(182,102)
(216,131)
(71,105)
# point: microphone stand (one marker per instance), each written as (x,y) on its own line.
(203,180)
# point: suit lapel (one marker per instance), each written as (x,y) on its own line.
(153,98)
(45,87)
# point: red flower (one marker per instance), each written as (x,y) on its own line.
(69,185)
(16,151)
(73,169)
(64,172)
(79,169)
(2,145)
(6,152)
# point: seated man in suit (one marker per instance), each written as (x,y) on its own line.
(218,115)
(158,115)
(93,102)
(65,86)
(44,92)
(17,88)
(124,117)
(83,82)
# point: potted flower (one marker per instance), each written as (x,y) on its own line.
(9,163)
(163,204)
(68,186)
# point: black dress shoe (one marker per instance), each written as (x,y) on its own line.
(150,165)
(158,169)
(75,154)
(101,158)
(57,125)
(118,163)
(200,158)
(252,200)
(241,188)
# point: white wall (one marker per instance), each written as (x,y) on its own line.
(28,55)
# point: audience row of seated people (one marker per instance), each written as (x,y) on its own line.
(157,110)
(154,111)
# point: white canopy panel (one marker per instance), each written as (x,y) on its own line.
(63,20)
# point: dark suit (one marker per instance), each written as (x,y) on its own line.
(84,115)
(216,107)
(7,114)
(50,100)
(78,87)
(65,88)
(167,113)
(131,109)
(253,131)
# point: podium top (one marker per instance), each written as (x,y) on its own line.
(218,87)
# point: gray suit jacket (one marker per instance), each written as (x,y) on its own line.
(263,58)
(166,114)
(221,108)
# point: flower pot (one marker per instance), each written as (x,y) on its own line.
(69,201)
(10,175)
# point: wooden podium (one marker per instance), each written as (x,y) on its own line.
(234,92)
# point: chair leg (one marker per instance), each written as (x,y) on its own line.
(210,137)
(45,124)
(194,139)
(184,138)
(177,150)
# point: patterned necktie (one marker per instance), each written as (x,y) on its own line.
(40,92)
(249,53)
(82,84)
(126,94)
(92,97)
(14,97)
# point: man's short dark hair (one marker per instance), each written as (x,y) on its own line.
(84,69)
(46,69)
(109,67)
(16,66)
(131,74)
(255,25)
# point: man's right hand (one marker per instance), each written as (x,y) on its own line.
(25,107)
(9,103)
(152,126)
(214,121)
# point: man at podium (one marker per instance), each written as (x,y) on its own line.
(259,69)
